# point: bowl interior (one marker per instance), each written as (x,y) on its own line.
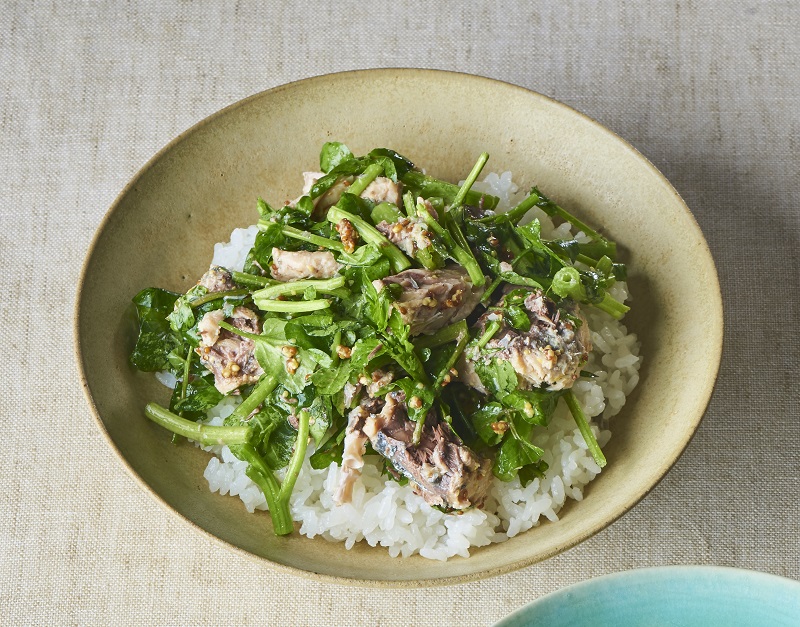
(161,230)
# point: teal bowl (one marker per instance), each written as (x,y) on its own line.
(670,596)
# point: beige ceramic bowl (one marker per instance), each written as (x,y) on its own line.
(161,229)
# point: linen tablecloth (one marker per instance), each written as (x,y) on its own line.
(709,91)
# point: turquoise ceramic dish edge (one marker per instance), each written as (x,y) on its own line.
(674,596)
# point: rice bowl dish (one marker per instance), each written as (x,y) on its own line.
(161,228)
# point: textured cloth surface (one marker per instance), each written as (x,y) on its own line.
(710,92)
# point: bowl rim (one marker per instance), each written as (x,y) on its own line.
(697,416)
(654,575)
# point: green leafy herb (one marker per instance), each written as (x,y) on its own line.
(332,154)
(156,339)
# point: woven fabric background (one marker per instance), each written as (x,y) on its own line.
(709,91)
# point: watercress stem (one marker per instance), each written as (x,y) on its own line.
(206,435)
(187,364)
(292,288)
(207,298)
(305,236)
(371,235)
(463,257)
(263,388)
(371,172)
(298,455)
(263,477)
(450,333)
(492,328)
(583,426)
(470,180)
(292,306)
(251,279)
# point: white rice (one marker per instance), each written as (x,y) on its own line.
(385,513)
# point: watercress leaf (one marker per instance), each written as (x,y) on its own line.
(532,235)
(176,360)
(260,255)
(378,303)
(182,317)
(532,231)
(277,450)
(515,278)
(508,460)
(397,345)
(417,409)
(498,376)
(321,358)
(569,247)
(305,205)
(429,187)
(483,419)
(329,452)
(332,154)
(268,346)
(322,320)
(270,359)
(263,423)
(349,337)
(264,210)
(365,255)
(401,165)
(388,166)
(365,350)
(155,339)
(201,395)
(294,332)
(534,406)
(330,380)
(274,330)
(321,417)
(533,471)
(379,269)
(356,205)
(269,351)
(513,455)
(518,318)
(345,168)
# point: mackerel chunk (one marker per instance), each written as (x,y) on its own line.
(355,445)
(292,265)
(229,356)
(383,189)
(432,299)
(217,279)
(408,235)
(441,469)
(550,355)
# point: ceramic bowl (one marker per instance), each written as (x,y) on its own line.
(161,228)
(678,596)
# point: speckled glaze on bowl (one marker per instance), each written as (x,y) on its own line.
(161,229)
(677,596)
